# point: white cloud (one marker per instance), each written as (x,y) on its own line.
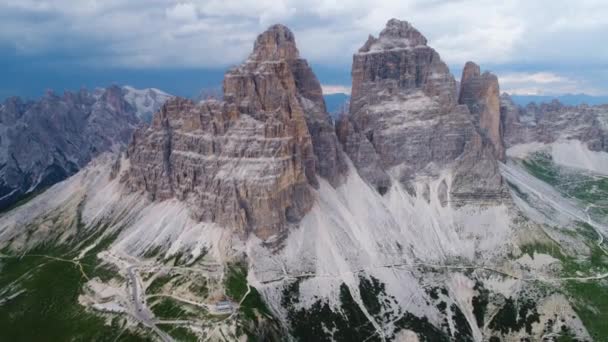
(544,83)
(335,89)
(182,12)
(538,78)
(217,33)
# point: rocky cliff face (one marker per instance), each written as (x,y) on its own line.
(46,141)
(405,120)
(430,252)
(275,79)
(480,92)
(550,122)
(249,162)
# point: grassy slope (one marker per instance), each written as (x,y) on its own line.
(589,298)
(48,310)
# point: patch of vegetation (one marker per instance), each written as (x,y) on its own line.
(463,332)
(371,291)
(439,296)
(49,309)
(566,335)
(169,308)
(542,167)
(506,319)
(107,272)
(595,262)
(153,252)
(589,188)
(179,333)
(480,303)
(199,288)
(515,315)
(518,191)
(236,281)
(254,306)
(433,292)
(255,319)
(426,331)
(159,282)
(321,323)
(383,307)
(179,259)
(590,301)
(550,248)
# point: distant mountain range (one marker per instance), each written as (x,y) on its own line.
(46,140)
(335,101)
(568,99)
(424,209)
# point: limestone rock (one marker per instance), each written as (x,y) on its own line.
(550,122)
(480,92)
(275,77)
(43,142)
(363,155)
(399,60)
(405,121)
(249,162)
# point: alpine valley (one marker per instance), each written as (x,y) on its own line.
(432,210)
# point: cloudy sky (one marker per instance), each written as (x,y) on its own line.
(536,47)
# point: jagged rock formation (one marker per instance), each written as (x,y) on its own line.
(480,92)
(427,253)
(550,122)
(405,119)
(276,78)
(510,117)
(145,101)
(249,162)
(46,141)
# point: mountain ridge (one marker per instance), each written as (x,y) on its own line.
(48,140)
(406,220)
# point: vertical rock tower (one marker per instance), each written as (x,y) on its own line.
(251,161)
(405,121)
(480,92)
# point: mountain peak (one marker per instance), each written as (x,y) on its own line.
(277,42)
(471,69)
(397,34)
(481,93)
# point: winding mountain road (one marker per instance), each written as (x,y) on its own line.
(142,313)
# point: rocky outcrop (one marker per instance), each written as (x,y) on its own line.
(288,83)
(249,162)
(43,142)
(397,61)
(145,101)
(363,154)
(405,121)
(550,122)
(480,92)
(510,120)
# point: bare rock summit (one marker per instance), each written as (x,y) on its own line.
(250,162)
(405,121)
(481,93)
